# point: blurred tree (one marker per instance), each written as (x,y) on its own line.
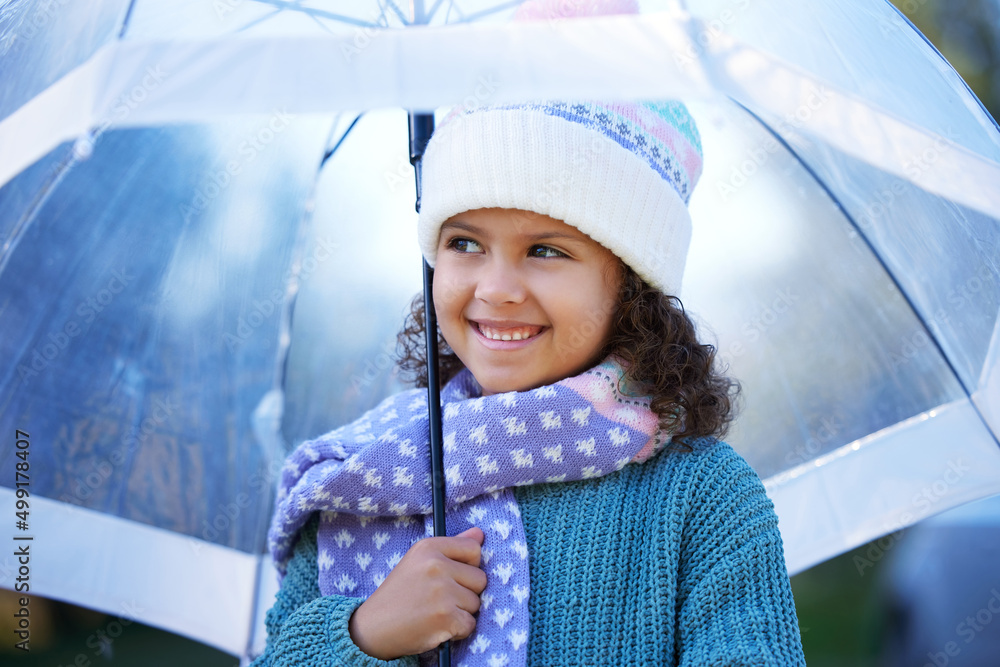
(967,33)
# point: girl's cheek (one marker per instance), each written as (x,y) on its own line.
(447,290)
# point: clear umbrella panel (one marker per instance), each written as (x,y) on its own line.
(208,245)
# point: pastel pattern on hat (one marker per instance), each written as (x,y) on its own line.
(621,172)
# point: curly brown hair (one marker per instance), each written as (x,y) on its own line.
(655,338)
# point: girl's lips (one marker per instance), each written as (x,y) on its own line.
(503,344)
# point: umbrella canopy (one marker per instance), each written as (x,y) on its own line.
(206,214)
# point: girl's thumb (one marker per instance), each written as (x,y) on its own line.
(475,533)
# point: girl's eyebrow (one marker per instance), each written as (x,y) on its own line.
(554,235)
(472,229)
(456,224)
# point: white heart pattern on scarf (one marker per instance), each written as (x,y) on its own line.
(370,482)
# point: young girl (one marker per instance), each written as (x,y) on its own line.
(595,518)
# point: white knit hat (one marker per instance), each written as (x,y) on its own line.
(620,172)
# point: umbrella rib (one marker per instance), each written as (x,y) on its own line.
(126,19)
(433,10)
(329,153)
(930,45)
(399,13)
(295,7)
(878,256)
(322,25)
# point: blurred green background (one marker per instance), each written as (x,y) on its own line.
(842,611)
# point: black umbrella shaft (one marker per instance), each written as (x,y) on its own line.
(421,128)
(434,404)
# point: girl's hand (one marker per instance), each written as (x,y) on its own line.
(428,598)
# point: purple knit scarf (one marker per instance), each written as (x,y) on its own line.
(370,481)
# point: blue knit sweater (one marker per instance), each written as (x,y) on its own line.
(677,561)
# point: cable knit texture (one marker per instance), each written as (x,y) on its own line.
(677,561)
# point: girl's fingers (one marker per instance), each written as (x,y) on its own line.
(452,549)
(431,595)
(464,548)
(467,600)
(470,577)
(463,626)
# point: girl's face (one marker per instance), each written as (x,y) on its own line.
(523,299)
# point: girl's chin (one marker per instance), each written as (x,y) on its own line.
(524,377)
(494,385)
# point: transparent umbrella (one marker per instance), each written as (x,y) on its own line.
(207,224)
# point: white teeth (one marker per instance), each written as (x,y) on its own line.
(517,335)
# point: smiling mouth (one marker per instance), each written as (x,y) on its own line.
(508,333)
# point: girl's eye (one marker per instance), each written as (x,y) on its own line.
(544,251)
(464,245)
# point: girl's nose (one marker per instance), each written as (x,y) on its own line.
(499,282)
